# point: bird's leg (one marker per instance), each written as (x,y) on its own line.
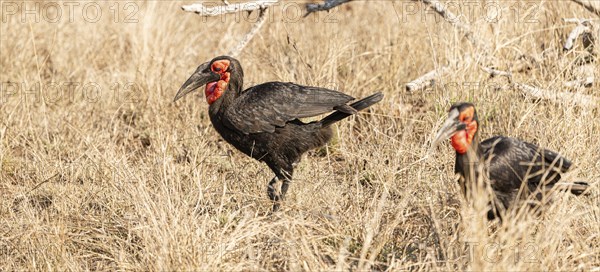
(287,179)
(276,193)
(272,191)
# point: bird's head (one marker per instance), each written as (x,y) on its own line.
(216,75)
(460,126)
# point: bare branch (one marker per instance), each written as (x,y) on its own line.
(588,5)
(584,77)
(558,97)
(261,5)
(577,20)
(575,33)
(327,5)
(494,72)
(203,10)
(454,21)
(255,28)
(584,82)
(426,80)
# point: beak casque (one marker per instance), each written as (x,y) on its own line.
(201,77)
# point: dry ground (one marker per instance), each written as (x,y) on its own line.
(108,173)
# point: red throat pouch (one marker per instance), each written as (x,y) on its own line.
(463,139)
(214,90)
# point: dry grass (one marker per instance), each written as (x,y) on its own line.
(119,177)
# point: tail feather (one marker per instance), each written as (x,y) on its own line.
(576,188)
(579,187)
(358,105)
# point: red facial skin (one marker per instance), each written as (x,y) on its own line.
(214,90)
(462,139)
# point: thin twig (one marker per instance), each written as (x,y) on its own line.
(588,5)
(41,183)
(259,23)
(426,80)
(578,20)
(454,21)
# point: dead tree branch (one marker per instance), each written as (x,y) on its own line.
(585,72)
(441,9)
(584,76)
(495,72)
(426,80)
(260,5)
(588,5)
(327,5)
(583,26)
(558,97)
(203,10)
(586,82)
(259,23)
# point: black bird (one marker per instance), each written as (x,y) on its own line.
(263,121)
(515,170)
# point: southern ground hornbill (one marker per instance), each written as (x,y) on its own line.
(263,121)
(514,170)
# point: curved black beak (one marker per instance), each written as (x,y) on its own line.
(201,77)
(449,128)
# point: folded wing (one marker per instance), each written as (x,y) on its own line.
(264,107)
(511,160)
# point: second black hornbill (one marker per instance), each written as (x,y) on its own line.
(263,121)
(515,170)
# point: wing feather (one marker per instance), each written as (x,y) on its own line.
(511,160)
(264,107)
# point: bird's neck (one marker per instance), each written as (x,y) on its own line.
(231,93)
(470,164)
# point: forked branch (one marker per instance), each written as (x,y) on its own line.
(260,5)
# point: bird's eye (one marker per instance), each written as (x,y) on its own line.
(217,69)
